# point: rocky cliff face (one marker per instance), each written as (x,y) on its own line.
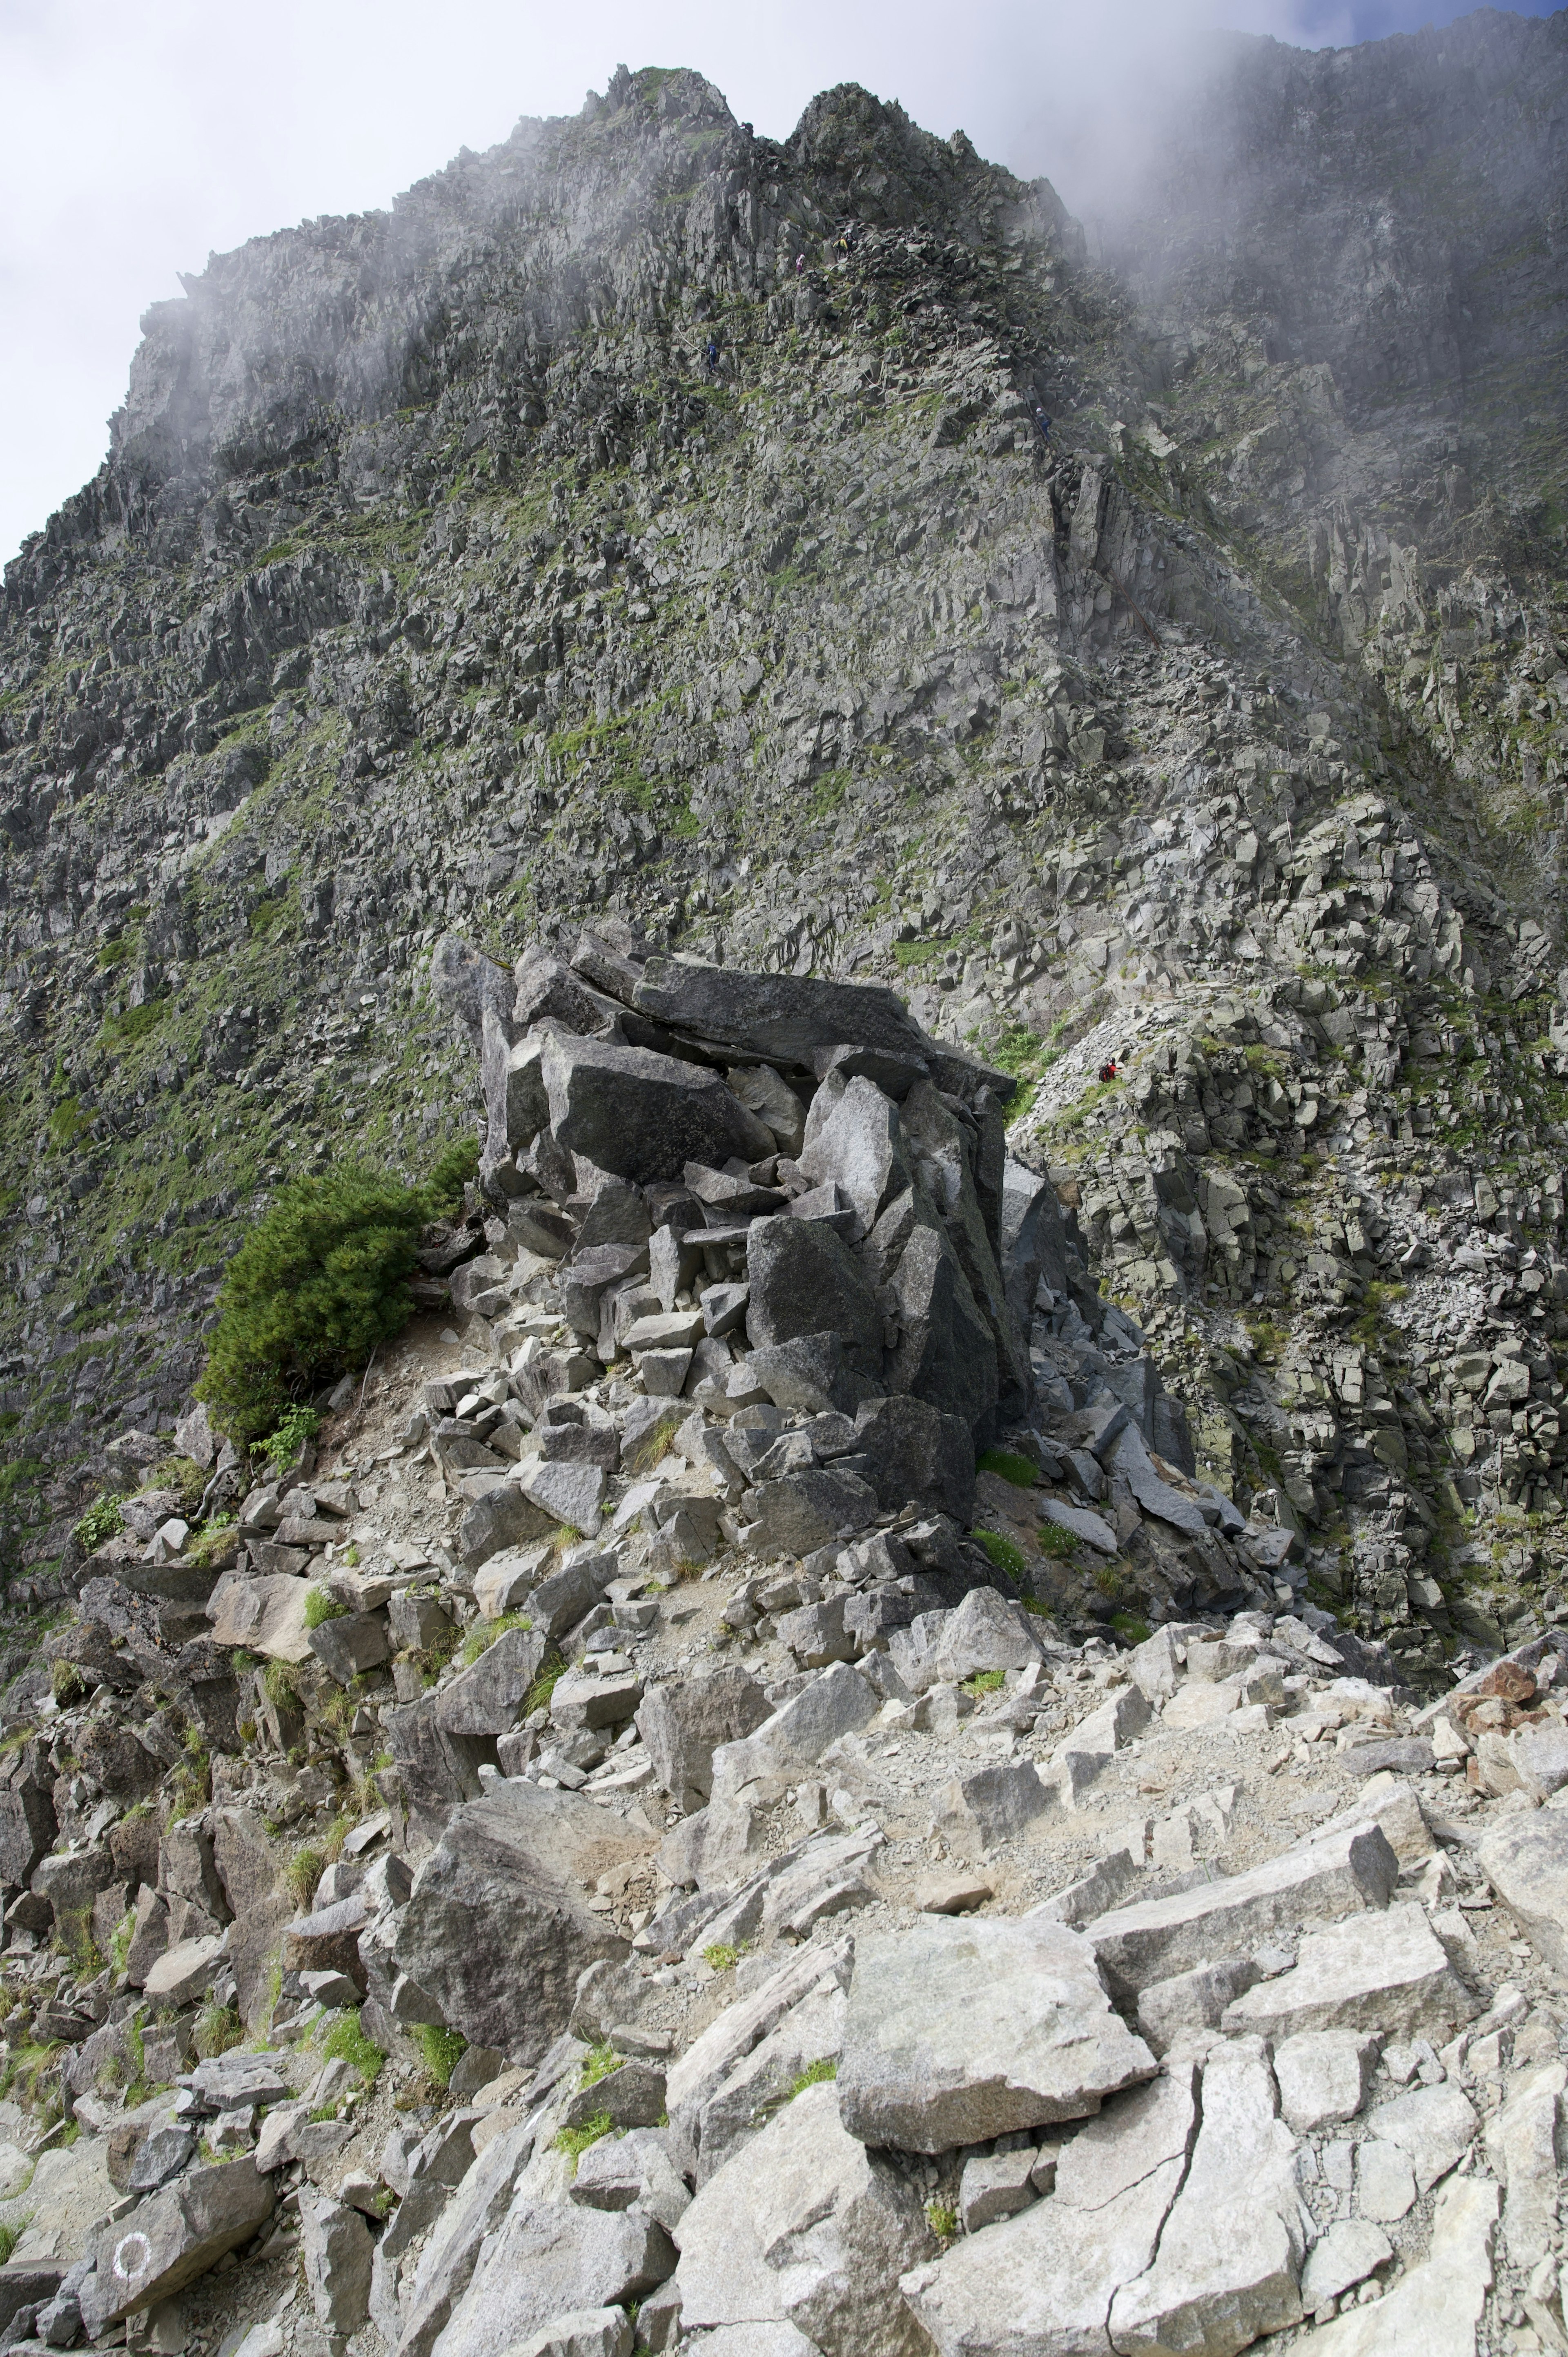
(596,535)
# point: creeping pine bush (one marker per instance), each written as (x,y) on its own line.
(320,1281)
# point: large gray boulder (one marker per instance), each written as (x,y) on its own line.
(642,1115)
(497,1928)
(960,2030)
(486,1698)
(946,1352)
(682,1722)
(547,2259)
(803,2226)
(173,2237)
(336,2248)
(1525,1859)
(853,1140)
(805,1279)
(919,1455)
(838,1702)
(1321,1880)
(785,1019)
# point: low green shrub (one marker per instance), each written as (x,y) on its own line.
(440,2049)
(218,2028)
(813,2075)
(1052,1540)
(321,1606)
(1003,1554)
(318,1283)
(282,1444)
(347,2042)
(575,2142)
(102,1521)
(720,1957)
(1016,1470)
(985,1682)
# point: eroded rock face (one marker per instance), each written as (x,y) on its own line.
(496,1929)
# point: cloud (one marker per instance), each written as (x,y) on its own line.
(138,139)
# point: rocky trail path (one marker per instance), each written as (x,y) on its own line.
(660,1833)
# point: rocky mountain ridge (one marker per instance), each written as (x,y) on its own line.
(596,530)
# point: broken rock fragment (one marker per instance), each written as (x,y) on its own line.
(959,2031)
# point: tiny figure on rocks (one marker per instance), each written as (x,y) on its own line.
(1043,422)
(1107,1071)
(712,357)
(799,265)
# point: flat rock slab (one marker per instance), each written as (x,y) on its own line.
(803,2226)
(1230,2257)
(1041,2284)
(1434,2309)
(1351,2249)
(1387,1971)
(1525,1859)
(1433,2125)
(1321,1880)
(960,2031)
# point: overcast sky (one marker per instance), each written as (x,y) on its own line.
(136,139)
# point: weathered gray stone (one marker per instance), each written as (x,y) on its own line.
(266,1616)
(837,1702)
(788,1018)
(1043,2282)
(1219,2289)
(803,2226)
(962,2030)
(497,1928)
(642,1115)
(1386,1971)
(805,1280)
(1433,2125)
(996,2186)
(634,2169)
(569,1494)
(486,1698)
(548,2259)
(1324,2075)
(585,2332)
(857,1146)
(801,1512)
(920,1455)
(335,2250)
(173,2237)
(1003,1801)
(987,1631)
(683,1721)
(1326,1879)
(1351,2249)
(1524,2143)
(447,2263)
(184,1972)
(947,1351)
(1434,2308)
(722,2049)
(1525,1859)
(350,1645)
(226,2081)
